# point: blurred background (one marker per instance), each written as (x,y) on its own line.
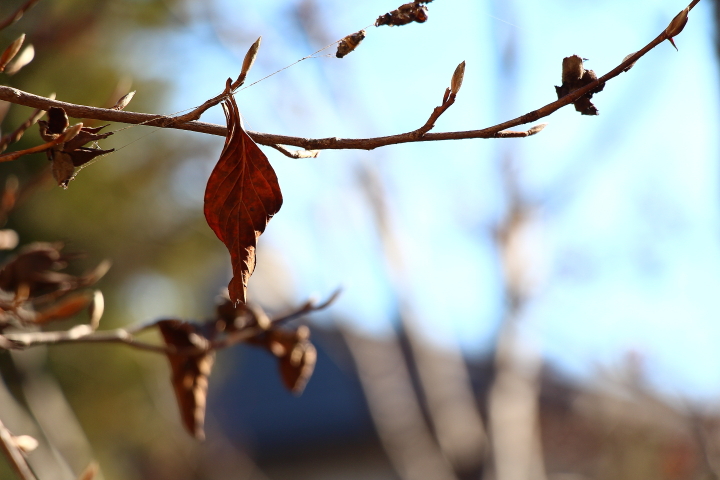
(535,308)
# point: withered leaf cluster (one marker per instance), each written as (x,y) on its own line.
(575,76)
(192,354)
(410,12)
(241,196)
(67,155)
(34,290)
(349,43)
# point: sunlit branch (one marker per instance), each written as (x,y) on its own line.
(19,97)
(126,336)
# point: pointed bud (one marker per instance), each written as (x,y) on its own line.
(676,25)
(96,308)
(11,51)
(25,57)
(248,62)
(124,101)
(457,78)
(536,129)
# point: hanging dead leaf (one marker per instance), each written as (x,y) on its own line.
(407,13)
(296,355)
(349,43)
(190,373)
(575,76)
(242,195)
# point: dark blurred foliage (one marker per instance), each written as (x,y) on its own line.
(120,208)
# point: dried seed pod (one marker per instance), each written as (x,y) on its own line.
(349,43)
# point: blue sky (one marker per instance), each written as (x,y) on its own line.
(626,247)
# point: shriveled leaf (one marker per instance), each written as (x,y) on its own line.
(57,120)
(25,57)
(242,195)
(62,168)
(190,373)
(296,355)
(407,13)
(297,368)
(575,76)
(124,101)
(84,137)
(66,308)
(10,52)
(349,43)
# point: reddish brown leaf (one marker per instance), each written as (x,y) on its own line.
(189,373)
(67,308)
(242,195)
(296,355)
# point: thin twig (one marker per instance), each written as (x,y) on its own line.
(16,135)
(17,14)
(126,336)
(19,97)
(14,455)
(296,153)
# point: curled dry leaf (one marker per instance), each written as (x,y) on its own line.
(407,13)
(69,151)
(457,78)
(25,57)
(575,76)
(190,373)
(242,195)
(349,43)
(11,51)
(296,355)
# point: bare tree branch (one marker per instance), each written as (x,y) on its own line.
(19,97)
(86,334)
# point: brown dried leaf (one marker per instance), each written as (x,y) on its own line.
(407,13)
(62,168)
(349,43)
(574,76)
(190,373)
(57,120)
(297,356)
(242,195)
(11,51)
